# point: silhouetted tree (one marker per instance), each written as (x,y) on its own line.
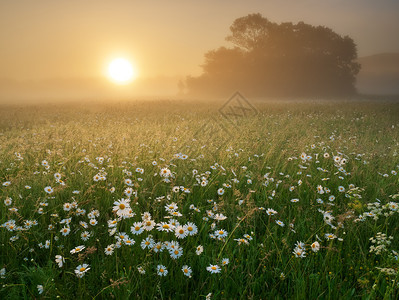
(279,59)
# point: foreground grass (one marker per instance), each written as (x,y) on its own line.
(327,169)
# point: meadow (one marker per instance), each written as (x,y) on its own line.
(175,200)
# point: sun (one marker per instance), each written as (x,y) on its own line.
(121,71)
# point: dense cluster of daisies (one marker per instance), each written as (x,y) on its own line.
(170,233)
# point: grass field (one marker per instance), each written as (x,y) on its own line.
(174,200)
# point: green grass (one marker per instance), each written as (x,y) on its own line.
(70,137)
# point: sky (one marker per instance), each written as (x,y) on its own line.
(71,42)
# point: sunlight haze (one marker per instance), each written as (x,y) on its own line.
(65,45)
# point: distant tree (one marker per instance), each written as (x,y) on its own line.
(279,60)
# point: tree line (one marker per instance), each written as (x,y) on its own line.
(270,59)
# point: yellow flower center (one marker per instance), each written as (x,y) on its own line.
(221,232)
(181,231)
(185,271)
(122,206)
(82,269)
(137,228)
(189,228)
(166,226)
(213,268)
(161,270)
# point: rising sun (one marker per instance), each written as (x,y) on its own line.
(121,71)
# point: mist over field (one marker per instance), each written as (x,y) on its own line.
(186,150)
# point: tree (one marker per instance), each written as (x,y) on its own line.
(280,60)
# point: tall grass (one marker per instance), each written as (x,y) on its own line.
(308,151)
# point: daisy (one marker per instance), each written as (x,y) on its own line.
(248,237)
(221,233)
(122,236)
(158,247)
(225,261)
(28,224)
(341,189)
(175,213)
(161,270)
(112,223)
(187,271)
(128,192)
(315,246)
(172,245)
(128,182)
(330,236)
(165,172)
(83,224)
(199,250)
(300,245)
(137,228)
(77,249)
(271,212)
(147,243)
(129,242)
(191,228)
(148,224)
(121,207)
(393,206)
(85,235)
(337,159)
(181,232)
(93,222)
(280,223)
(40,289)
(65,231)
(141,270)
(8,201)
(176,253)
(219,217)
(59,260)
(48,190)
(213,269)
(320,189)
(146,216)
(165,227)
(220,191)
(299,252)
(81,270)
(242,241)
(109,249)
(171,207)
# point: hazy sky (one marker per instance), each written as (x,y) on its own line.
(77,38)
